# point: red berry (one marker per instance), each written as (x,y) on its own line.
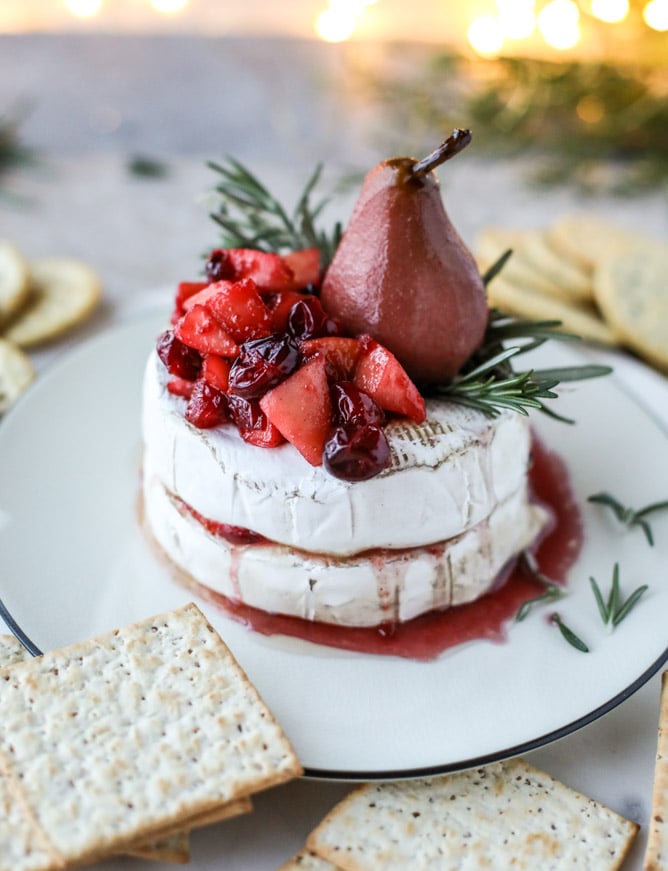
(207,407)
(307,319)
(352,405)
(356,453)
(262,364)
(219,266)
(252,422)
(179,358)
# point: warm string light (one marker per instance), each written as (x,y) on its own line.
(338,22)
(90,8)
(557,21)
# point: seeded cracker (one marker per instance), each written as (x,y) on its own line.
(174,847)
(506,815)
(656,855)
(14,286)
(304,860)
(133,734)
(63,293)
(632,292)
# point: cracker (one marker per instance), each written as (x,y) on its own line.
(582,320)
(656,854)
(134,733)
(16,373)
(632,292)
(14,285)
(305,860)
(63,293)
(508,814)
(589,239)
(534,265)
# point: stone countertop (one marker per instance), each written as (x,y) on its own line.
(99,100)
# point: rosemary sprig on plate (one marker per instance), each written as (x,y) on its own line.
(568,634)
(630,517)
(552,591)
(612,609)
(251,217)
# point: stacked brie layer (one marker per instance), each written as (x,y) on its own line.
(432,531)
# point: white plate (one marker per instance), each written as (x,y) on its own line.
(75,564)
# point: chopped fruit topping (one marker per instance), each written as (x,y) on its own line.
(305,266)
(252,422)
(262,364)
(216,372)
(207,406)
(199,329)
(268,271)
(381,375)
(301,409)
(351,405)
(247,346)
(356,453)
(179,358)
(341,355)
(180,387)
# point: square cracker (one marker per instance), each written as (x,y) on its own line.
(656,854)
(173,847)
(134,733)
(508,814)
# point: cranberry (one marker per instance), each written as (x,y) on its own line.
(352,405)
(207,406)
(356,453)
(246,413)
(262,364)
(306,319)
(219,266)
(179,359)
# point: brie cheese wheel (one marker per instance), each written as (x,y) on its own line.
(446,477)
(363,590)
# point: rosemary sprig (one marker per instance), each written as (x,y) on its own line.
(612,610)
(570,636)
(552,591)
(630,517)
(488,382)
(251,217)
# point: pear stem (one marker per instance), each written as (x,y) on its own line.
(456,142)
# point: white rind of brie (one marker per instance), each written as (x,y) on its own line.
(448,475)
(362,590)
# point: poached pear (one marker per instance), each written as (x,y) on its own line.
(403,274)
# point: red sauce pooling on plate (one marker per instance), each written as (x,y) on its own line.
(425,637)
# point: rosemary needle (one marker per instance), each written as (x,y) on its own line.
(570,636)
(630,517)
(612,610)
(552,591)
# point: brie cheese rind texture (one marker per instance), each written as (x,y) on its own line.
(447,476)
(433,531)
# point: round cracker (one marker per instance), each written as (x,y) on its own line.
(16,373)
(632,292)
(524,303)
(14,285)
(64,292)
(588,239)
